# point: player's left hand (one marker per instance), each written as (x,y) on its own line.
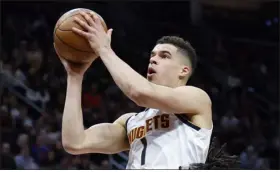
(95,33)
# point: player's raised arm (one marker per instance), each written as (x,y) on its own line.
(101,138)
(107,138)
(184,99)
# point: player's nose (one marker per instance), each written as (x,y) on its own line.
(153,60)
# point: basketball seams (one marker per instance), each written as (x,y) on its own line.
(65,38)
(69,59)
(66,30)
(68,17)
(72,61)
(70,45)
(58,28)
(104,26)
(64,21)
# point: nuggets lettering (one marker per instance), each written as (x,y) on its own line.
(155,123)
(140,132)
(149,125)
(164,121)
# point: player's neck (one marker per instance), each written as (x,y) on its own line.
(179,83)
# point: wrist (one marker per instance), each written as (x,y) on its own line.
(105,51)
(74,78)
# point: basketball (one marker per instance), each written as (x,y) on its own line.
(70,45)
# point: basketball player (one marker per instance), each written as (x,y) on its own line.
(173,131)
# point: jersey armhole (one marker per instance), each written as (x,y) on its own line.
(184,119)
(126,122)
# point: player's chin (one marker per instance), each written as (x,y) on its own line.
(153,80)
(150,78)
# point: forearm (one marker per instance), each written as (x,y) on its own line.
(72,121)
(127,79)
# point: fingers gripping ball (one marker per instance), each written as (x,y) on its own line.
(68,44)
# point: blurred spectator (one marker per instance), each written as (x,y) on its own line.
(24,161)
(23,140)
(248,158)
(92,99)
(7,160)
(229,122)
(40,150)
(104,165)
(251,160)
(6,149)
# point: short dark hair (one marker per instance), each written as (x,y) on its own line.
(185,46)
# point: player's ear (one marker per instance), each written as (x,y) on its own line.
(109,33)
(185,71)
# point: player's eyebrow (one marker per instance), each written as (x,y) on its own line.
(162,51)
(165,51)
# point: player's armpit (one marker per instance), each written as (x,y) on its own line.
(106,138)
(185,99)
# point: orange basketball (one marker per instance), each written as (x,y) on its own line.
(68,44)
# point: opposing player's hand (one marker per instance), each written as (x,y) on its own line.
(95,33)
(74,69)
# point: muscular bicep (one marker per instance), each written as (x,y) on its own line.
(107,138)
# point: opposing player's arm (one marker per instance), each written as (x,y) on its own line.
(107,138)
(184,99)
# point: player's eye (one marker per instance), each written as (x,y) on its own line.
(165,56)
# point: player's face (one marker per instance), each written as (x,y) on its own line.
(165,65)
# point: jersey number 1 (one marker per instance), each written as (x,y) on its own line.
(143,154)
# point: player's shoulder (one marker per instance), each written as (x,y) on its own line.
(200,93)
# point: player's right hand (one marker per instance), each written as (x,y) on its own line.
(73,69)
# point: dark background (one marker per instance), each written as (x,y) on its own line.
(238,67)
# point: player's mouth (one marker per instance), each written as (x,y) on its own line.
(151,71)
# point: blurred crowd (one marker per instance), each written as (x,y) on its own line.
(31,137)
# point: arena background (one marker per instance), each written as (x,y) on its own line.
(237,44)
